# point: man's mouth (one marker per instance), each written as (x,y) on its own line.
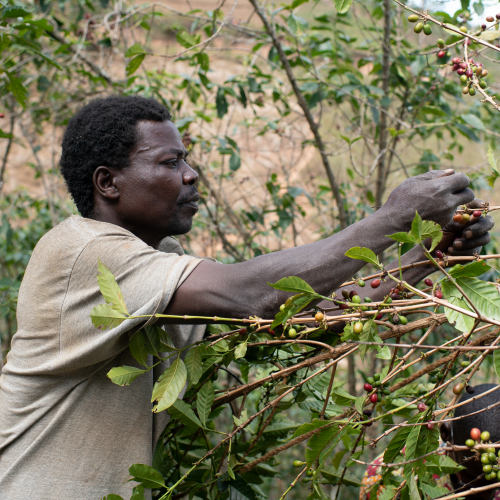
(192,202)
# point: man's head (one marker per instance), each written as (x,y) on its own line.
(485,421)
(123,161)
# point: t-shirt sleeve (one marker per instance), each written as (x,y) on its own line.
(147,278)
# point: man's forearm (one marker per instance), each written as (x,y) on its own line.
(241,290)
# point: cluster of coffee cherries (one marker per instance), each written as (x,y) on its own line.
(421,25)
(491,467)
(466,71)
(374,385)
(463,218)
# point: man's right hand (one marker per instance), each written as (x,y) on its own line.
(435,195)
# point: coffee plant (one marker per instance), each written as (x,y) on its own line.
(205,455)
(299,118)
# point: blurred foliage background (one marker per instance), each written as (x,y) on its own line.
(299,119)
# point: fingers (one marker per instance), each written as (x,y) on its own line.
(463,244)
(462,253)
(465,196)
(454,183)
(476,204)
(435,174)
(478,228)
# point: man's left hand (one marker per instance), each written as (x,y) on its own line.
(467,239)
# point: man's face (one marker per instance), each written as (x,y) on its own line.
(157,191)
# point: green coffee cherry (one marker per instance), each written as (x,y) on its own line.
(388,300)
(367,299)
(403,320)
(356,299)
(470,443)
(427,29)
(376,376)
(370,380)
(493,457)
(298,463)
(418,27)
(472,91)
(358,327)
(485,458)
(463,29)
(485,436)
(482,84)
(310,472)
(292,333)
(487,468)
(413,18)
(386,391)
(493,474)
(440,43)
(361,283)
(465,364)
(490,450)
(464,79)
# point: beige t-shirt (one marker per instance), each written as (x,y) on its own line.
(66,431)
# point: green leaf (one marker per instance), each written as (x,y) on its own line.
(402,237)
(110,289)
(483,295)
(462,322)
(221,102)
(342,6)
(362,253)
(413,488)
(398,441)
(105,316)
(473,121)
(138,491)
(489,35)
(169,385)
(19,91)
(180,410)
(433,491)
(136,49)
(295,304)
(137,348)
(471,270)
(147,476)
(234,161)
(343,398)
(496,361)
(204,401)
(421,230)
(240,350)
(359,403)
(331,475)
(318,443)
(124,375)
(194,365)
(112,497)
(307,427)
(293,284)
(134,64)
(491,157)
(383,353)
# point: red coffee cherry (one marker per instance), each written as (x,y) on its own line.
(375,283)
(457,389)
(2,115)
(368,387)
(430,426)
(441,54)
(497,16)
(242,331)
(477,213)
(368,424)
(458,217)
(490,19)
(421,407)
(428,281)
(374,397)
(439,254)
(439,294)
(378,317)
(475,434)
(456,60)
(468,73)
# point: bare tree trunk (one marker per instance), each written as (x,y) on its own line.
(386,66)
(307,113)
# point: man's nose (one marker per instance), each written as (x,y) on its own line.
(190,176)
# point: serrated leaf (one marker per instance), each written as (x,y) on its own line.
(180,410)
(363,253)
(137,346)
(134,64)
(110,289)
(169,385)
(342,6)
(240,351)
(147,476)
(471,270)
(194,364)
(105,316)
(124,375)
(293,284)
(204,401)
(136,49)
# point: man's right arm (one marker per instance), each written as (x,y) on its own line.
(242,290)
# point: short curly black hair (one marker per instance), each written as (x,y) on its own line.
(103,132)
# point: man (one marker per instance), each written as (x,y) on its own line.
(482,413)
(65,430)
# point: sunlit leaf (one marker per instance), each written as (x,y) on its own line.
(124,375)
(105,316)
(147,476)
(292,284)
(362,253)
(110,289)
(169,385)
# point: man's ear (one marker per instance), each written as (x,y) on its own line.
(104,183)
(445,431)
